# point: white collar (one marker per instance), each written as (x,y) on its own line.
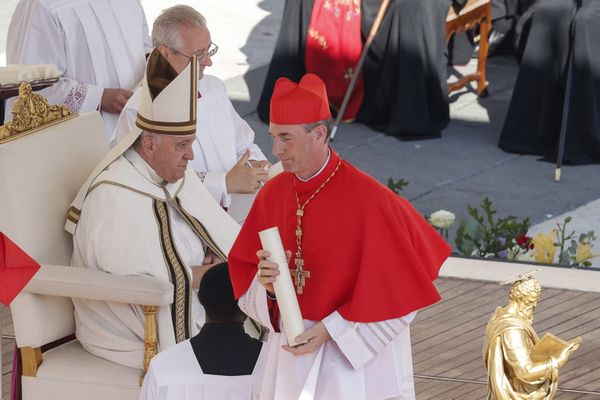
(143,167)
(319,171)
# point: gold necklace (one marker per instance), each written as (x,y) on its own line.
(299,274)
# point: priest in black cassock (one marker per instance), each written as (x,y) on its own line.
(549,30)
(405,92)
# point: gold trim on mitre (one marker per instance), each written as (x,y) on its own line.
(168,128)
(31,113)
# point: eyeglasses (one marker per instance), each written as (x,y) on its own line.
(201,55)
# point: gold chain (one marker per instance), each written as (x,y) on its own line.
(300,211)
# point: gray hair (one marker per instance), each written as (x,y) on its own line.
(138,142)
(327,122)
(165,30)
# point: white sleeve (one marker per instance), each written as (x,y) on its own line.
(145,33)
(254,304)
(360,342)
(35,37)
(244,135)
(149,390)
(216,184)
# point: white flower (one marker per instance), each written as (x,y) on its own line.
(442,219)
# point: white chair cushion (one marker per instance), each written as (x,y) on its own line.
(69,371)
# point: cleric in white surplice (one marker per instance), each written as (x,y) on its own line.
(99,45)
(143,211)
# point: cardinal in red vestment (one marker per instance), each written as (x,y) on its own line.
(368,257)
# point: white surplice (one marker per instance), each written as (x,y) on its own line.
(175,374)
(361,361)
(222,136)
(97,44)
(118,232)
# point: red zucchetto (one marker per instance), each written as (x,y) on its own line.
(299,103)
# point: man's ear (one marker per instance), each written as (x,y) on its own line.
(164,50)
(148,146)
(321,132)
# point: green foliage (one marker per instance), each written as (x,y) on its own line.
(397,186)
(568,255)
(484,235)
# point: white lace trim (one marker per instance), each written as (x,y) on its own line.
(76,97)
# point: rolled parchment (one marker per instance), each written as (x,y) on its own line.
(284,287)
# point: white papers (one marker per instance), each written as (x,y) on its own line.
(284,288)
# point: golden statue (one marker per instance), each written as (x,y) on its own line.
(30,112)
(520,365)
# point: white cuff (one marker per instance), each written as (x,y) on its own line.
(93,99)
(356,351)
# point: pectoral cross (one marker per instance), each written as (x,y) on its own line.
(299,274)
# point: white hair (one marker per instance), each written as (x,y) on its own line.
(165,30)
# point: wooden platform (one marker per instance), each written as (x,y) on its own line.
(447,340)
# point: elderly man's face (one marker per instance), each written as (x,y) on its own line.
(300,151)
(195,40)
(168,155)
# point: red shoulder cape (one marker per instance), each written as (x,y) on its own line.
(371,255)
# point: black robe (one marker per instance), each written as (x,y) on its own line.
(405,70)
(548,31)
(225,349)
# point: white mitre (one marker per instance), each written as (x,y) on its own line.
(169,113)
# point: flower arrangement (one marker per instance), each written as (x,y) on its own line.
(506,238)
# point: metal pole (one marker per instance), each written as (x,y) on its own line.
(567,101)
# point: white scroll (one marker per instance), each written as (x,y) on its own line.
(284,288)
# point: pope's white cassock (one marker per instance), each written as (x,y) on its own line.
(354,364)
(221,138)
(126,220)
(97,44)
(175,374)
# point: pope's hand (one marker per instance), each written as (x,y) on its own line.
(243,178)
(113,100)
(267,270)
(314,338)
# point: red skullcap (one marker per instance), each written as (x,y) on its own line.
(299,103)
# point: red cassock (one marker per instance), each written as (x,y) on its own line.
(333,47)
(370,254)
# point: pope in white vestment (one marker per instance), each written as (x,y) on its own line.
(130,218)
(222,136)
(97,44)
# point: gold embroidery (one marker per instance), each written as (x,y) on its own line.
(351,8)
(200,230)
(73,214)
(181,307)
(314,34)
